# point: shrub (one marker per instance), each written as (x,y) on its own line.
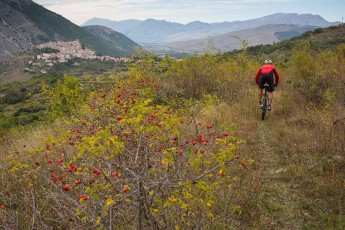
(123,158)
(65,98)
(13,97)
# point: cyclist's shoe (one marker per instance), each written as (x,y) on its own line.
(260,104)
(269,107)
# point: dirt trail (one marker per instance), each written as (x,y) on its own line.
(276,203)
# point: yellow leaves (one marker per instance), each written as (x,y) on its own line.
(164,161)
(91,143)
(151,193)
(210,215)
(230,147)
(187,195)
(16,165)
(109,202)
(250,161)
(219,141)
(108,186)
(98,221)
(30,185)
(111,140)
(78,212)
(80,152)
(184,205)
(13,169)
(172,199)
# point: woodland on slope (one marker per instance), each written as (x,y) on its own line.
(180,144)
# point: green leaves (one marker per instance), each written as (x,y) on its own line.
(65,98)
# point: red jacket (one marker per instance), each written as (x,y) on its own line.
(267,69)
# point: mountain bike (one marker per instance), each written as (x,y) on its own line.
(264,101)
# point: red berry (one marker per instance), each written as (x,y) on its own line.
(95,171)
(243,164)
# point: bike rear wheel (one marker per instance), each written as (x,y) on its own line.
(264,104)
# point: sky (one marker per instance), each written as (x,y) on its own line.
(185,11)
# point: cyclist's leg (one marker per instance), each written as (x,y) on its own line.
(270,98)
(270,89)
(259,94)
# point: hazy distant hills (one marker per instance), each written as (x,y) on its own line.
(113,38)
(153,31)
(266,34)
(165,37)
(24,24)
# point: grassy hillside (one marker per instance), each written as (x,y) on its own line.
(113,38)
(320,39)
(180,144)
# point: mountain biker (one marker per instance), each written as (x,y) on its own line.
(267,73)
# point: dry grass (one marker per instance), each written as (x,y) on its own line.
(297,179)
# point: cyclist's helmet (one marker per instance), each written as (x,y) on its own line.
(268,61)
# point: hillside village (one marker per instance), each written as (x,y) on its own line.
(54,53)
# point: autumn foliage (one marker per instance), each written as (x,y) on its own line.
(121,160)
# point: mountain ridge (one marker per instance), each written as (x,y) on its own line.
(24,24)
(262,35)
(203,30)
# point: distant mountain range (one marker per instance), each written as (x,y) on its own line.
(153,31)
(24,24)
(266,34)
(165,37)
